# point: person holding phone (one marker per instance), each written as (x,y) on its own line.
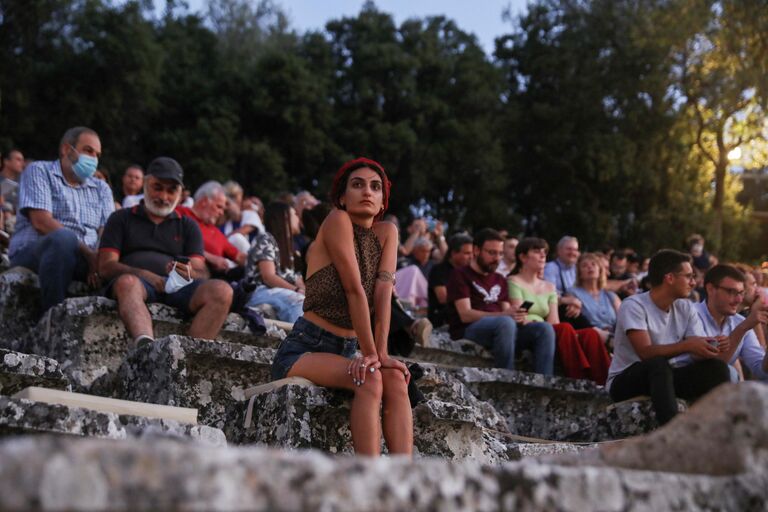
(582,353)
(479,310)
(150,253)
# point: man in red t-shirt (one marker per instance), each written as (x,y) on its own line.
(220,254)
(479,309)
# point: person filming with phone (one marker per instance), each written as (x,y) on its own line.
(149,253)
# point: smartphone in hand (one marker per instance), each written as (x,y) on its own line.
(526,305)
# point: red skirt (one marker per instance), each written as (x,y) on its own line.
(582,353)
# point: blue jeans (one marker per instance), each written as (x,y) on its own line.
(308,337)
(57,261)
(288,304)
(502,336)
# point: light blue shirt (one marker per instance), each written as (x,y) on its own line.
(599,313)
(82,209)
(749,350)
(562,276)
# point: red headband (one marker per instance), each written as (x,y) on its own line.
(353,165)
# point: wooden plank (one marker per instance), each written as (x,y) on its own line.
(99,403)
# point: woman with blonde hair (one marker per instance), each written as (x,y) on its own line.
(598,305)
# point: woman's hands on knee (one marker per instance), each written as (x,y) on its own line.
(360,365)
(393,364)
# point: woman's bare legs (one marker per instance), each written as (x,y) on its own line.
(397,416)
(330,370)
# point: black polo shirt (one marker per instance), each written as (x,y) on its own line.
(143,244)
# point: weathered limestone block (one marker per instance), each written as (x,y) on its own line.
(89,340)
(443,350)
(59,473)
(19,371)
(301,415)
(725,433)
(629,418)
(552,408)
(21,416)
(19,305)
(188,372)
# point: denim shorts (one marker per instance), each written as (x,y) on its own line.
(308,337)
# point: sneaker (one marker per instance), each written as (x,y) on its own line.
(422,331)
(142,340)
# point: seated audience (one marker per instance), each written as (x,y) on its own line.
(421,256)
(598,305)
(459,255)
(561,272)
(582,353)
(750,295)
(660,347)
(149,253)
(620,280)
(507,262)
(719,317)
(242,222)
(133,184)
(221,256)
(479,310)
(62,207)
(270,269)
(702,260)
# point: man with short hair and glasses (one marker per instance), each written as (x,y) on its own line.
(479,309)
(661,348)
(725,293)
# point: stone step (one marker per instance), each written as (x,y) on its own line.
(88,338)
(19,370)
(555,408)
(295,414)
(180,371)
(23,416)
(102,404)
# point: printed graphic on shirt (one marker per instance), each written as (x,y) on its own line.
(491,296)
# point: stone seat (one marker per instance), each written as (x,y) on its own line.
(102,404)
(88,338)
(295,414)
(23,416)
(18,371)
(180,371)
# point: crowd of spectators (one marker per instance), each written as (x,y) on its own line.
(672,325)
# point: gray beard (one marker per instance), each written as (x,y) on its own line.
(159,212)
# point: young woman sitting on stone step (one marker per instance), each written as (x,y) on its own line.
(350,274)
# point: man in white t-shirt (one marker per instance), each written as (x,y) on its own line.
(660,348)
(719,317)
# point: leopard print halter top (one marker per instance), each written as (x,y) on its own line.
(325,294)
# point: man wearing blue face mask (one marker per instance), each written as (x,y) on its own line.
(62,209)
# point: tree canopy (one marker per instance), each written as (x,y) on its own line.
(609,120)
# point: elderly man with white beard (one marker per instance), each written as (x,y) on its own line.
(149,253)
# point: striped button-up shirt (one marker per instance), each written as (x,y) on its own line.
(82,209)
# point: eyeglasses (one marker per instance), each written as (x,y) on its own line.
(689,276)
(732,292)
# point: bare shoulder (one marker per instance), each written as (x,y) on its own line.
(546,286)
(385,230)
(337,220)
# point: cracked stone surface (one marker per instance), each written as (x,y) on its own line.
(19,371)
(87,337)
(21,416)
(671,469)
(188,372)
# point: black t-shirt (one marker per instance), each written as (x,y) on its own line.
(437,312)
(143,244)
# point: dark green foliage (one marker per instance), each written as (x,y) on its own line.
(580,123)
